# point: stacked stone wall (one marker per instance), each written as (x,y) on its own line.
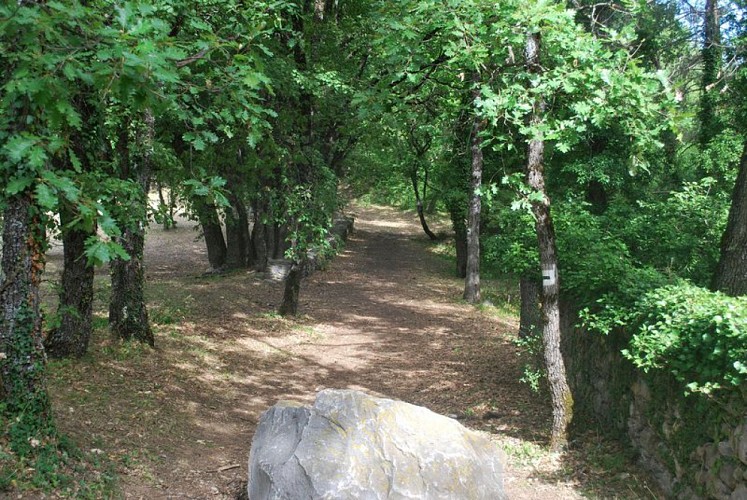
(695,445)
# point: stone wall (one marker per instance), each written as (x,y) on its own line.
(695,446)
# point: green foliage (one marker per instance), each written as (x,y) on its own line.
(593,260)
(388,191)
(611,309)
(718,160)
(679,234)
(698,336)
(40,460)
(32,452)
(592,81)
(210,190)
(308,212)
(534,372)
(510,245)
(596,268)
(99,252)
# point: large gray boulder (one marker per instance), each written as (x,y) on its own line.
(350,445)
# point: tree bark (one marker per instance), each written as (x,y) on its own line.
(530,322)
(259,238)
(711,53)
(167,208)
(460,242)
(319,7)
(731,273)
(237,234)
(289,307)
(128,313)
(472,280)
(278,241)
(22,363)
(562,399)
(207,214)
(419,202)
(75,309)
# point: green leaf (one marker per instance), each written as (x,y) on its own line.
(74,161)
(99,252)
(37,157)
(45,197)
(18,185)
(18,147)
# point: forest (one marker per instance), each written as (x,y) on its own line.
(576,169)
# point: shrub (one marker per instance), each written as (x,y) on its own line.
(697,335)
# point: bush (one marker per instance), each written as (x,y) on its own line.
(510,247)
(697,335)
(678,234)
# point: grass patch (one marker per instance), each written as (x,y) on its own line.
(55,464)
(125,351)
(524,453)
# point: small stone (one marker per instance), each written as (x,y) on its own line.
(725,449)
(726,474)
(740,438)
(739,475)
(701,477)
(717,489)
(740,493)
(711,456)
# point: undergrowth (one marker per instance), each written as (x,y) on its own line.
(39,460)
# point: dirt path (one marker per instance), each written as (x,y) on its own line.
(385,317)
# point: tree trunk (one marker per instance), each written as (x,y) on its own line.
(75,310)
(419,201)
(128,314)
(22,361)
(237,234)
(472,281)
(319,9)
(278,248)
(530,322)
(731,274)
(289,307)
(562,399)
(166,208)
(711,53)
(213,234)
(460,242)
(259,239)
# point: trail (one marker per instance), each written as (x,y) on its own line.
(385,317)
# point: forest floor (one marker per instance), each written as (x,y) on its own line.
(385,317)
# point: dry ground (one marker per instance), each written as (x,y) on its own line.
(384,317)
